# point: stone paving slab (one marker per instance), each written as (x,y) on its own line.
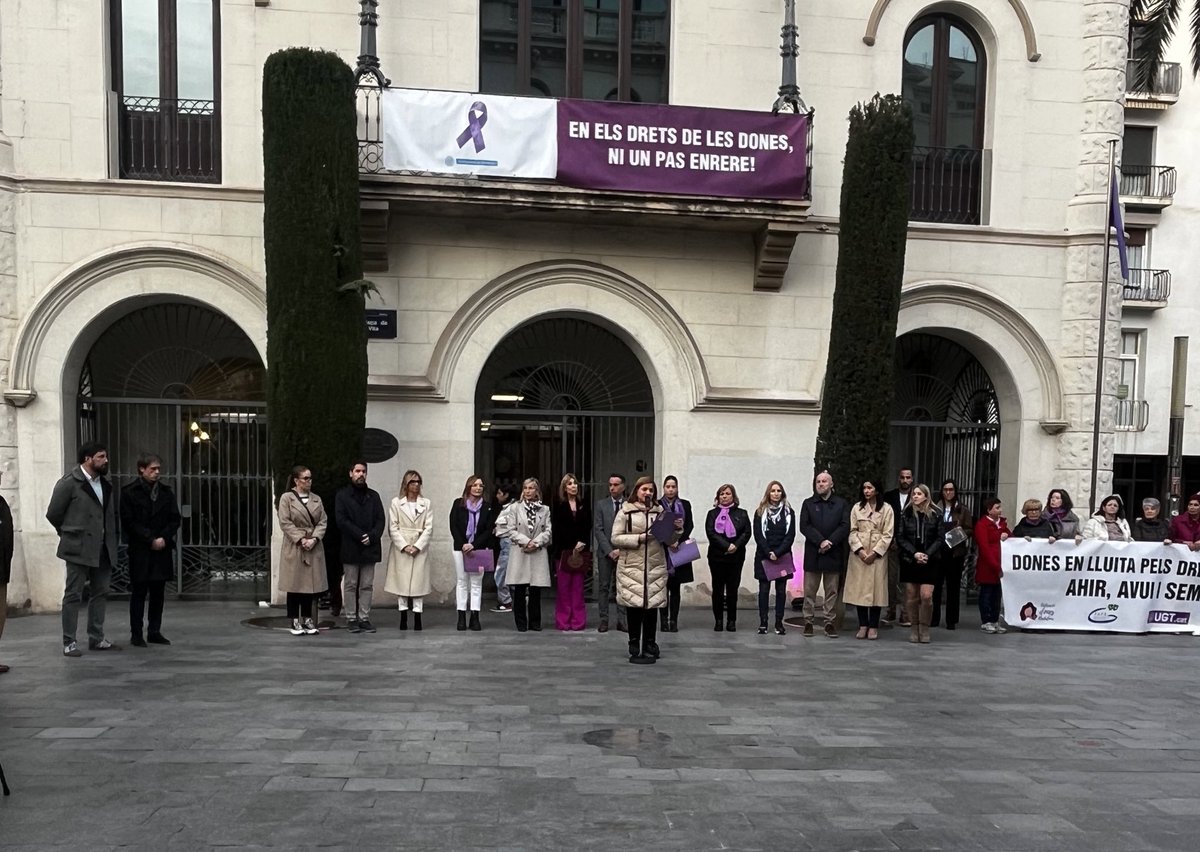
(244,738)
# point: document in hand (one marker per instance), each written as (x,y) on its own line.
(479,561)
(784,566)
(663,529)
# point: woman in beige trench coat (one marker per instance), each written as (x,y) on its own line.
(410,524)
(641,568)
(872,525)
(302,520)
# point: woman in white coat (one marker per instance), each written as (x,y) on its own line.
(526,524)
(1108,524)
(410,524)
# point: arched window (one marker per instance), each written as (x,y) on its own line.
(945,81)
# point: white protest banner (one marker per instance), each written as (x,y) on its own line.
(1134,587)
(469,134)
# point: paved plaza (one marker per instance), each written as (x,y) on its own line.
(242,737)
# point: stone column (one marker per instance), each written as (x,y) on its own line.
(1104,29)
(8,325)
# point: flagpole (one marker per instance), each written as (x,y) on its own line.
(1108,219)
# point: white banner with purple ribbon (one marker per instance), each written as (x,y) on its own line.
(1134,587)
(469,134)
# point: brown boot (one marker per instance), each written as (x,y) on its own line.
(911,596)
(926,616)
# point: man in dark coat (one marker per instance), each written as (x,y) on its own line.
(7,543)
(358,512)
(825,524)
(150,522)
(83,511)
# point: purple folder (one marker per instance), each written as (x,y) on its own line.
(781,567)
(688,551)
(479,561)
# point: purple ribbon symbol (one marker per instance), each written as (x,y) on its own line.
(476,119)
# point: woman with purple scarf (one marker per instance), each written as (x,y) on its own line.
(682,573)
(728,528)
(472,521)
(1058,513)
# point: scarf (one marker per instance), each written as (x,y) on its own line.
(774,514)
(1055,515)
(473,505)
(724,524)
(672,506)
(531,514)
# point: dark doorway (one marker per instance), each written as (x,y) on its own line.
(183,382)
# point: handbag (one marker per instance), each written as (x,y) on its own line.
(575,562)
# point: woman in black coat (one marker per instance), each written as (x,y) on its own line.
(774,535)
(570,535)
(728,529)
(919,540)
(150,522)
(672,502)
(472,527)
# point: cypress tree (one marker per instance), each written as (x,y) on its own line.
(316,335)
(852,442)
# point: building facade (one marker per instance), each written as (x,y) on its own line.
(542,329)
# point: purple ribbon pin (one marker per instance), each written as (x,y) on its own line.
(476,119)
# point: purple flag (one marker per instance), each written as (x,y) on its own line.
(1115,221)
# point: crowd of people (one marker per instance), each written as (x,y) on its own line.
(897,556)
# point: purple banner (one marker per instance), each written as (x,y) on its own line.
(682,150)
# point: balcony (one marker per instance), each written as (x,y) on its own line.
(947,185)
(1161,92)
(169,139)
(1147,187)
(1132,415)
(1148,289)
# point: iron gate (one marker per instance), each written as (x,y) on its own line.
(215,459)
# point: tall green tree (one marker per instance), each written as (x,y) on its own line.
(316,334)
(852,442)
(1156,22)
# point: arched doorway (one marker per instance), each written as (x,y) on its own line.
(563,395)
(184,382)
(945,418)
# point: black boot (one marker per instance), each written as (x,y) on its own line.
(462,620)
(403,619)
(664,620)
(416,621)
(762,627)
(474,624)
(731,626)
(779,631)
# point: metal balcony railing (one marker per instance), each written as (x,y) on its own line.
(1155,182)
(1148,285)
(1167,82)
(947,185)
(169,139)
(370,130)
(1132,415)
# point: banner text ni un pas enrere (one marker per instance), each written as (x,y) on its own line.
(644,148)
(682,150)
(1133,587)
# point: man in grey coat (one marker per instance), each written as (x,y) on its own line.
(602,523)
(83,511)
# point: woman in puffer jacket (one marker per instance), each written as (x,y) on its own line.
(641,569)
